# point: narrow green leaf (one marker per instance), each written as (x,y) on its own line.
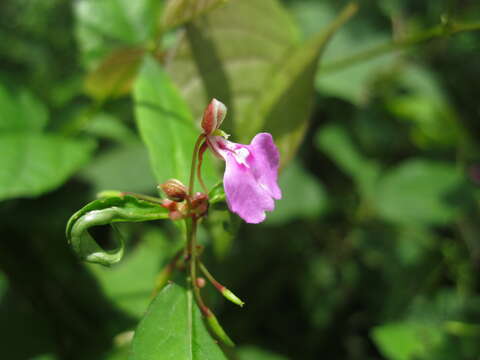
(21,111)
(104,25)
(33,164)
(173,329)
(107,211)
(166,126)
(115,74)
(178,12)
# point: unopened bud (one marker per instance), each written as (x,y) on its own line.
(200,204)
(201,282)
(174,190)
(213,116)
(231,296)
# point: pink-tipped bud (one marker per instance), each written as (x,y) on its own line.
(213,116)
(174,190)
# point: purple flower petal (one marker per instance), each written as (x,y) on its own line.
(250,178)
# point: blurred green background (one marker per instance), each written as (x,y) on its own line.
(374,251)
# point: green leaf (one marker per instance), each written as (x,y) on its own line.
(335,141)
(129,284)
(33,164)
(115,74)
(407,341)
(21,111)
(178,12)
(303,196)
(285,109)
(173,329)
(273,61)
(107,211)
(419,191)
(124,168)
(104,25)
(166,126)
(207,63)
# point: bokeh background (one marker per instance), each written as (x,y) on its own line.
(374,251)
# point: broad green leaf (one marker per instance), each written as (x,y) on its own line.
(173,329)
(230,54)
(102,26)
(335,141)
(208,65)
(419,191)
(33,164)
(129,284)
(115,74)
(124,168)
(178,12)
(166,126)
(106,211)
(407,341)
(285,109)
(21,111)
(303,196)
(255,353)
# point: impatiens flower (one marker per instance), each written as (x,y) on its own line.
(250,178)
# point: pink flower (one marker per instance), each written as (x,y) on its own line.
(250,178)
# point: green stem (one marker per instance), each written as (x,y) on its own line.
(199,168)
(437,31)
(192,255)
(210,277)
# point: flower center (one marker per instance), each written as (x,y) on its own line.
(241,156)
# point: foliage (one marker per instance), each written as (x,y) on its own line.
(373,251)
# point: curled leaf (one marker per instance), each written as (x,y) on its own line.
(103,212)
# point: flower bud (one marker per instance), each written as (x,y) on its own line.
(201,282)
(213,116)
(174,190)
(200,204)
(232,297)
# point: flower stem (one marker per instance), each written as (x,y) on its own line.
(222,289)
(194,163)
(192,255)
(199,167)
